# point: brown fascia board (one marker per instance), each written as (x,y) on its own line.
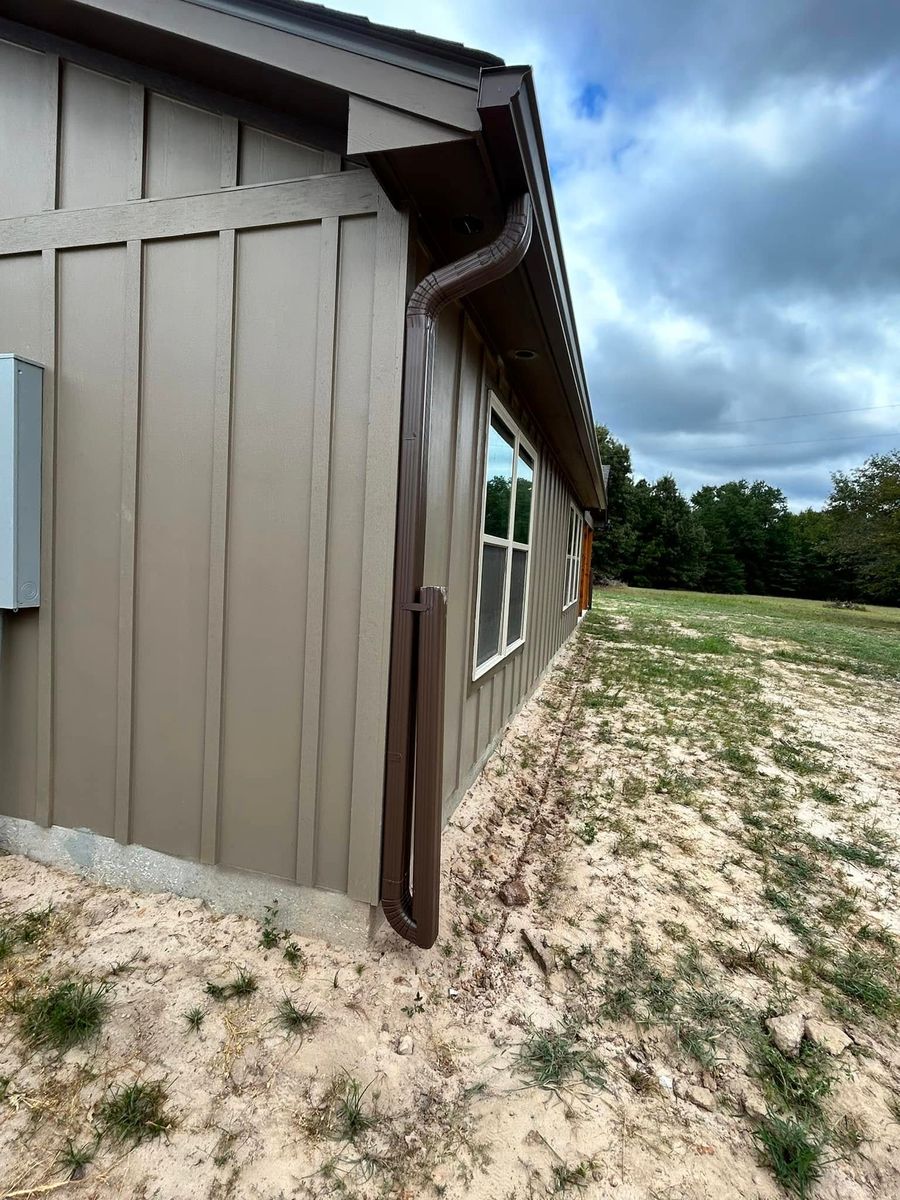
(511,130)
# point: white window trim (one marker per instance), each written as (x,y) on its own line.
(483,539)
(574,532)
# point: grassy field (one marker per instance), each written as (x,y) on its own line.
(775,722)
(668,968)
(863,642)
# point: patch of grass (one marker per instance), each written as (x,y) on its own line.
(792,757)
(351,1118)
(634,789)
(643,1081)
(699,1044)
(825,795)
(565,1177)
(618,1003)
(795,1087)
(866,856)
(738,758)
(67,1015)
(869,981)
(604,699)
(849,1134)
(754,959)
(674,784)
(554,1057)
(23,930)
(837,912)
(793,1152)
(295,1019)
(135,1113)
(243,984)
(882,938)
(587,831)
(7,942)
(874,835)
(195,1018)
(74,1158)
(675,930)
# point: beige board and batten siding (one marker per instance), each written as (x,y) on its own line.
(475,713)
(206,675)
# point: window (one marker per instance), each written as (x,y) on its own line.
(573,558)
(505,549)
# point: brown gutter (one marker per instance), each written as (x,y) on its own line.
(415,718)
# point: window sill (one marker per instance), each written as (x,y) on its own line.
(483,673)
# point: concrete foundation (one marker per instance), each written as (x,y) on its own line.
(327,915)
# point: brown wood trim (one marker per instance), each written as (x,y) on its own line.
(587,545)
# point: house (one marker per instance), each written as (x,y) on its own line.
(319,470)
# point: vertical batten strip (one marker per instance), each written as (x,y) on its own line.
(136,134)
(230,144)
(51,147)
(476,517)
(454,425)
(370,722)
(44,745)
(459,534)
(131,393)
(218,543)
(308,783)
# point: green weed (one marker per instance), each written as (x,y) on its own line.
(554,1057)
(793,1152)
(135,1113)
(74,1158)
(67,1015)
(243,984)
(195,1018)
(295,1019)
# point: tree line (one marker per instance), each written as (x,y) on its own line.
(741,537)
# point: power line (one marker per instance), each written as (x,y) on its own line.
(855,437)
(831,412)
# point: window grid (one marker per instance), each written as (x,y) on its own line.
(573,558)
(509,543)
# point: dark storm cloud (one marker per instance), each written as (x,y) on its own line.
(728,181)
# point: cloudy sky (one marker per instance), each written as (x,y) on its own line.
(727,174)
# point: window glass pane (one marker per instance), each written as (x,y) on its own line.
(516,617)
(524,488)
(493,576)
(499,478)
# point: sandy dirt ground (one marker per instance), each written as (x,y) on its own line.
(591,896)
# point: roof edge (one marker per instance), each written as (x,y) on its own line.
(446,60)
(507,105)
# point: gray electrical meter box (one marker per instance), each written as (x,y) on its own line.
(21,392)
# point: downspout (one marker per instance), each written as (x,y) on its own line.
(414,759)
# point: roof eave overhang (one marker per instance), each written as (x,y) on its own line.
(511,130)
(415,92)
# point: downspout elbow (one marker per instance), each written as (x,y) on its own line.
(413,912)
